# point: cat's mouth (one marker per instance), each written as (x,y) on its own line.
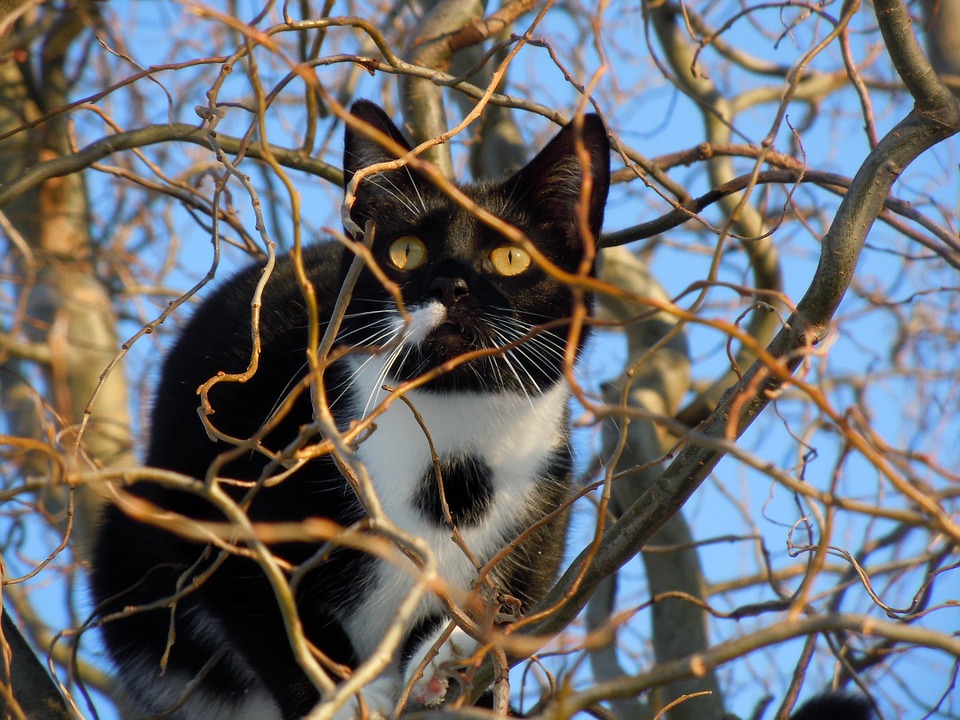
(455,334)
(439,335)
(435,324)
(448,327)
(451,337)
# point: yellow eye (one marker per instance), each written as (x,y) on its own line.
(509,260)
(407,252)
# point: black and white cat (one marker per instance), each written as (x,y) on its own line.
(499,424)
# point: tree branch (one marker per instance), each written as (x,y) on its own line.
(60,166)
(930,123)
(26,687)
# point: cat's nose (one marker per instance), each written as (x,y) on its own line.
(449,290)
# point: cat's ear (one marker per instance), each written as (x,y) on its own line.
(361,150)
(380,197)
(552,181)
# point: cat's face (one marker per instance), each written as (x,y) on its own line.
(464,285)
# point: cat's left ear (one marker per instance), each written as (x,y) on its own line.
(553,180)
(386,191)
(359,150)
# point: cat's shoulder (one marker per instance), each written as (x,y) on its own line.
(322,263)
(217,333)
(228,302)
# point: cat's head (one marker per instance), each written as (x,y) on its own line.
(465,285)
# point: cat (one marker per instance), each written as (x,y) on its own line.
(499,425)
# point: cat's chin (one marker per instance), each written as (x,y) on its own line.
(483,374)
(449,332)
(447,345)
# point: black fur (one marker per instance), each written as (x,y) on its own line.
(834,706)
(466,491)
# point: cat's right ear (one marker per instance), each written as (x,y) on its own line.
(552,181)
(361,147)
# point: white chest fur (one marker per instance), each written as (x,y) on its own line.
(513,434)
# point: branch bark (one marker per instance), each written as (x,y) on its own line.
(26,690)
(422,100)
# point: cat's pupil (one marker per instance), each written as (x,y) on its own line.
(407,252)
(508,261)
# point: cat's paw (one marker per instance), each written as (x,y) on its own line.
(379,700)
(431,688)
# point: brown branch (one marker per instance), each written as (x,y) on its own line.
(423,108)
(493,24)
(151,135)
(684,212)
(780,632)
(26,689)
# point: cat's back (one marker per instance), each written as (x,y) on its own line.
(218,338)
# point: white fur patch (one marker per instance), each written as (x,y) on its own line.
(422,321)
(379,700)
(515,435)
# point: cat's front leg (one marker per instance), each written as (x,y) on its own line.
(379,701)
(431,688)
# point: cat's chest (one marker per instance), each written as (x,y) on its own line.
(492,449)
(495,452)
